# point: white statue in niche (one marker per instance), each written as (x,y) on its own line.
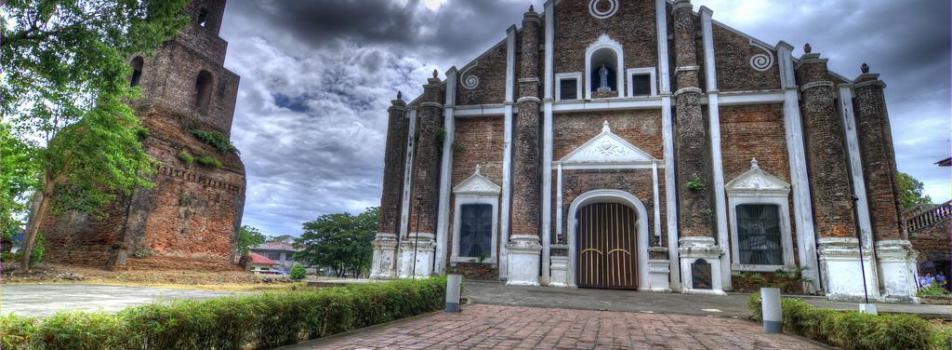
(603,79)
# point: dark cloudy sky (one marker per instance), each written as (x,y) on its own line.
(317,77)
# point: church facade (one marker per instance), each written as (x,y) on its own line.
(641,145)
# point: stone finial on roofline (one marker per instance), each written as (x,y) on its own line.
(864,68)
(436,75)
(807,48)
(605,127)
(754,164)
(400,95)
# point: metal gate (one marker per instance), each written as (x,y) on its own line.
(606,247)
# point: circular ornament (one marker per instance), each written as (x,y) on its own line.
(600,11)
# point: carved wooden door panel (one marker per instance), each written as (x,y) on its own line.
(607,249)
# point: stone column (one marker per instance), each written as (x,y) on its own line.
(693,160)
(417,249)
(828,170)
(393,170)
(893,250)
(524,245)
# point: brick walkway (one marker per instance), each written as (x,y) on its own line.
(511,327)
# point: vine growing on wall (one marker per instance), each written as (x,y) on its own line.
(696,183)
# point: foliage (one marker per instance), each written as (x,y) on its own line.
(214,139)
(851,330)
(933,290)
(696,183)
(39,251)
(248,237)
(208,161)
(910,191)
(440,137)
(259,321)
(66,81)
(281,238)
(186,157)
(459,147)
(19,175)
(298,272)
(340,241)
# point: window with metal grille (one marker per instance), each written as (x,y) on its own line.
(758,236)
(641,84)
(568,89)
(475,235)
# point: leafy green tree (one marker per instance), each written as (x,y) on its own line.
(65,82)
(910,191)
(248,237)
(298,272)
(19,172)
(340,241)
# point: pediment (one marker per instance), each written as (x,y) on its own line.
(756,179)
(606,147)
(477,184)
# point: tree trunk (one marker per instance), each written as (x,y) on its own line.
(38,212)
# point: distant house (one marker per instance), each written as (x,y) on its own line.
(281,253)
(258,263)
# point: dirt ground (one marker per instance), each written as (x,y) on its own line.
(234,280)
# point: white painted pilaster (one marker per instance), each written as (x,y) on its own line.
(507,152)
(793,128)
(446,166)
(671,198)
(408,175)
(717,163)
(547,141)
(655,199)
(859,183)
(558,202)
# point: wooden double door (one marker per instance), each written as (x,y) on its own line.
(607,248)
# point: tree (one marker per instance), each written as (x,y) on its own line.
(910,192)
(340,241)
(248,237)
(66,82)
(18,178)
(298,272)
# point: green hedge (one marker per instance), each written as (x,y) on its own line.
(260,321)
(852,330)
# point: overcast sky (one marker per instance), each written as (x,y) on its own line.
(318,76)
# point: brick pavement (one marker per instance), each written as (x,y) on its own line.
(514,327)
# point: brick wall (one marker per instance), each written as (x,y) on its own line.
(732,53)
(490,69)
(633,26)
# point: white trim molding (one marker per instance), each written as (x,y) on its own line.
(756,186)
(446,173)
(671,197)
(477,189)
(567,76)
(605,43)
(507,150)
(652,73)
(547,139)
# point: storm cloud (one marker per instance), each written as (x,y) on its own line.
(318,76)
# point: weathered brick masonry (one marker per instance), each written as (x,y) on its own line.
(394,165)
(190,218)
(426,167)
(527,156)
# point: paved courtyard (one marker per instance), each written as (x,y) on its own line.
(517,327)
(45,299)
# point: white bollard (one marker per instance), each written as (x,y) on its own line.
(770,306)
(453,282)
(868,309)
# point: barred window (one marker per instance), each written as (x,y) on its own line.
(475,236)
(758,235)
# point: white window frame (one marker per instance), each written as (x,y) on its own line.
(757,187)
(629,75)
(566,76)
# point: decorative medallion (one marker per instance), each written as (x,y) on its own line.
(603,9)
(607,147)
(761,61)
(467,80)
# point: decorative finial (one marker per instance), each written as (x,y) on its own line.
(864,68)
(605,127)
(754,164)
(531,8)
(400,95)
(807,48)
(436,75)
(477,170)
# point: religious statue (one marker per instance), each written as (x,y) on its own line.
(603,79)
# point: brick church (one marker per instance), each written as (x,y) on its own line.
(641,145)
(190,218)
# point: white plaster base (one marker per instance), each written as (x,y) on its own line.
(559,267)
(384,258)
(841,270)
(897,264)
(660,271)
(693,249)
(524,253)
(420,250)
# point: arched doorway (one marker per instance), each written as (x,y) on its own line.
(616,221)
(607,246)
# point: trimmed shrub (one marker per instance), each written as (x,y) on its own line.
(260,321)
(298,272)
(852,330)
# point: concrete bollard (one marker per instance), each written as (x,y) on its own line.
(453,282)
(868,309)
(772,312)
